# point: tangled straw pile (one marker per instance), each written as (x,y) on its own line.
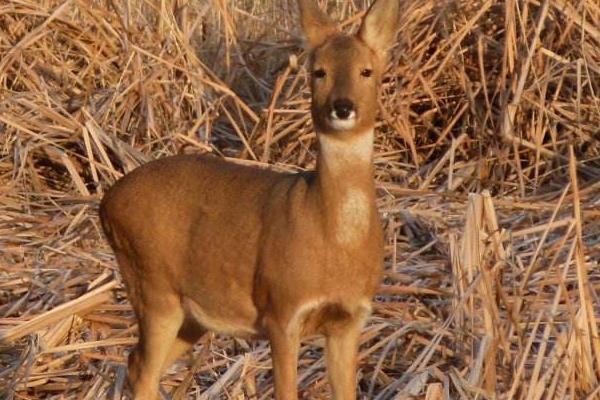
(487,163)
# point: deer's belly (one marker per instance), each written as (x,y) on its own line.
(221,320)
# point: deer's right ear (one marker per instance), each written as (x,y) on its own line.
(317,25)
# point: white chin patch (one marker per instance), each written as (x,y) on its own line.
(342,124)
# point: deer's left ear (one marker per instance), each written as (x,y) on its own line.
(380,25)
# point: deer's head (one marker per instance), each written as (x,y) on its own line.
(346,69)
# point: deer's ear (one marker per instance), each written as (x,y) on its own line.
(380,25)
(317,26)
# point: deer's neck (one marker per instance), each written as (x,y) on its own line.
(346,186)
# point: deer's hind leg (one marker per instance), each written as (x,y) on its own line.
(189,333)
(160,317)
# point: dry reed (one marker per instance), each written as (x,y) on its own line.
(487,158)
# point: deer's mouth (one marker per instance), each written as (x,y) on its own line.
(342,123)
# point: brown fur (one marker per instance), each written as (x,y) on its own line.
(206,244)
(344,80)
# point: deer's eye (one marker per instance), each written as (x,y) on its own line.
(319,73)
(366,73)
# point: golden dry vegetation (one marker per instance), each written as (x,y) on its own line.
(487,164)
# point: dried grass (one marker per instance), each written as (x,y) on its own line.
(487,166)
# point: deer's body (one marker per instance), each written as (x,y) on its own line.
(205,244)
(265,258)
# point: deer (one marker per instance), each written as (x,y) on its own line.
(205,244)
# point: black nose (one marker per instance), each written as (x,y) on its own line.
(343,108)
